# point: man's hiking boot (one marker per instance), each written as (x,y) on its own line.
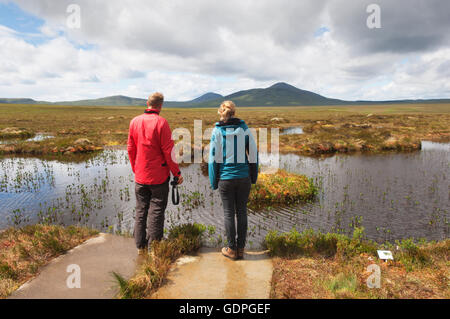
(240,253)
(228,252)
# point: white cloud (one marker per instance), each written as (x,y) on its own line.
(188,48)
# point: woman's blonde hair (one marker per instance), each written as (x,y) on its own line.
(226,110)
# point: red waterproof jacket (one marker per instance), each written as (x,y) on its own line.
(150,146)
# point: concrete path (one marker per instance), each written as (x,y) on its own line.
(210,275)
(205,275)
(96,259)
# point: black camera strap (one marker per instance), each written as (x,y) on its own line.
(175,193)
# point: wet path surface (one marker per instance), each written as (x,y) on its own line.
(206,275)
(209,275)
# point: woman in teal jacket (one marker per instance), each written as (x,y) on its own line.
(232,168)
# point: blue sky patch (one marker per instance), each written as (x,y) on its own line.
(319,32)
(26,25)
(15,18)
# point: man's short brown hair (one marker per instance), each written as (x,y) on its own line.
(156,99)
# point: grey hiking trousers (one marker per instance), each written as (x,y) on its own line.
(151,203)
(234,194)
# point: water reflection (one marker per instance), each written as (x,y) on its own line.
(427,145)
(292,130)
(36,138)
(394,196)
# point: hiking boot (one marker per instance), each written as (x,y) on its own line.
(228,252)
(240,253)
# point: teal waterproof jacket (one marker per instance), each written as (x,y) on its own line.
(233,153)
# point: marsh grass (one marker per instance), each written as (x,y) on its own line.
(23,251)
(56,147)
(342,285)
(412,256)
(15,133)
(381,132)
(316,265)
(327,129)
(181,240)
(312,243)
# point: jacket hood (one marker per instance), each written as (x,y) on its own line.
(232,121)
(233,126)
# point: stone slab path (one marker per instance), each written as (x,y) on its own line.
(96,258)
(210,275)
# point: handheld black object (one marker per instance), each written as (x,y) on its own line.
(175,195)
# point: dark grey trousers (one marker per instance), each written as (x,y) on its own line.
(234,194)
(151,202)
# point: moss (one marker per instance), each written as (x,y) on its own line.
(281,189)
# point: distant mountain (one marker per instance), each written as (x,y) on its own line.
(210,96)
(207,97)
(116,100)
(279,94)
(18,101)
(120,100)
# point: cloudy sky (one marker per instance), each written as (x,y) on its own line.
(187,48)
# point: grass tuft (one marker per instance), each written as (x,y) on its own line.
(343,285)
(181,240)
(24,250)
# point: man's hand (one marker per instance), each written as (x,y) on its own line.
(180,180)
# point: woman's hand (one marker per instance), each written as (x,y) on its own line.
(180,180)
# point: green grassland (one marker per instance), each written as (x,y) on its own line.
(328,129)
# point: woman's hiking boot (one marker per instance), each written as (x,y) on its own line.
(240,253)
(228,252)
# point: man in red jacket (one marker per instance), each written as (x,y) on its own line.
(150,147)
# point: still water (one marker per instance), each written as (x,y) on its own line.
(36,138)
(292,130)
(393,196)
